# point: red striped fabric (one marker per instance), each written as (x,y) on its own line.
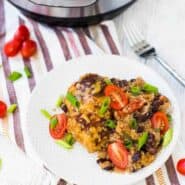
(10,87)
(43,46)
(63,44)
(27,63)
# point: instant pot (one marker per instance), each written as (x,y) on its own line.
(71,12)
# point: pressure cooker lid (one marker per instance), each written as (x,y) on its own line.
(64,3)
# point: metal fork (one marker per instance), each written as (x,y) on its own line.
(143,49)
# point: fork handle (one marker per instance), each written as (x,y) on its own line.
(172,71)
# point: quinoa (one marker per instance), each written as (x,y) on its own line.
(89,128)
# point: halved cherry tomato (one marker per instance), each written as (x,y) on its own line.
(29,48)
(118,154)
(22,33)
(181,166)
(160,121)
(118,97)
(12,47)
(59,130)
(3,109)
(133,106)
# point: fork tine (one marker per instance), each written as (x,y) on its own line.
(137,33)
(132,34)
(129,36)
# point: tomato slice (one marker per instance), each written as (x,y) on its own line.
(181,166)
(29,48)
(22,33)
(160,121)
(59,130)
(11,48)
(3,109)
(118,154)
(118,97)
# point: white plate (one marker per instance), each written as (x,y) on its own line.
(77,166)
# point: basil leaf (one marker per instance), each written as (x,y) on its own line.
(107,81)
(12,108)
(63,144)
(27,72)
(150,88)
(105,105)
(59,101)
(135,90)
(167,137)
(68,138)
(73,100)
(14,76)
(53,122)
(110,123)
(169,118)
(133,123)
(45,113)
(142,140)
(128,143)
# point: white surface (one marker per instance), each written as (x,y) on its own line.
(162,23)
(74,164)
(14,171)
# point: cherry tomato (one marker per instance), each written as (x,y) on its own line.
(181,166)
(160,121)
(22,33)
(118,154)
(118,97)
(12,47)
(59,130)
(29,48)
(3,109)
(133,106)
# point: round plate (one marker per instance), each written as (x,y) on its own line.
(77,165)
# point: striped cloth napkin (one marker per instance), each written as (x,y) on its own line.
(67,43)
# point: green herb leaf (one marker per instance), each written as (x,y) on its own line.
(53,122)
(142,140)
(105,105)
(14,76)
(59,101)
(135,90)
(27,72)
(110,123)
(150,88)
(63,144)
(46,114)
(128,143)
(170,119)
(73,100)
(133,123)
(12,108)
(107,81)
(68,138)
(167,137)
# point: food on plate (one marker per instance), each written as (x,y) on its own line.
(21,42)
(126,122)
